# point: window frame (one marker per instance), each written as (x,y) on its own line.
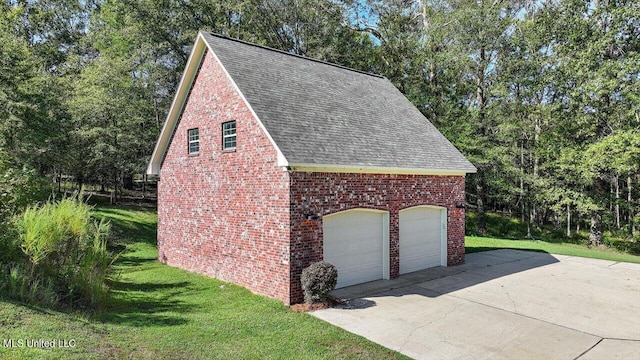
(193,140)
(229,135)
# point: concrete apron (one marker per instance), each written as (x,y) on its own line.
(502,304)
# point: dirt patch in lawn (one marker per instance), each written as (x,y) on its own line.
(304,307)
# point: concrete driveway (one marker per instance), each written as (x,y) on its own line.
(503,304)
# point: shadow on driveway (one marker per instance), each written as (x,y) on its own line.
(504,304)
(479,267)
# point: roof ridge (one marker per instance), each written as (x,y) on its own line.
(295,55)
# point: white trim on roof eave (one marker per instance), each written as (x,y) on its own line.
(188,77)
(305,167)
(281,159)
(193,64)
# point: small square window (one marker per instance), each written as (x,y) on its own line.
(229,135)
(194,141)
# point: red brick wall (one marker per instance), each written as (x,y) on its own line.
(224,214)
(327,193)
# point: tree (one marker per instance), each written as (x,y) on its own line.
(617,156)
(597,57)
(110,112)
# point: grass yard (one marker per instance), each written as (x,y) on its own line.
(476,244)
(159,312)
(504,232)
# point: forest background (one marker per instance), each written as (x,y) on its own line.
(542,96)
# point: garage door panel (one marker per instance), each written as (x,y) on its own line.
(420,238)
(420,214)
(353,242)
(428,249)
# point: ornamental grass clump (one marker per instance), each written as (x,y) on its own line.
(61,256)
(317,282)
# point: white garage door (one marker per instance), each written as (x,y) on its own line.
(422,238)
(354,243)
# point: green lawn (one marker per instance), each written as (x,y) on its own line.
(476,244)
(159,312)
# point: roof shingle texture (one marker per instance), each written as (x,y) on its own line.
(320,113)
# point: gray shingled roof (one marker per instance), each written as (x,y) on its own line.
(320,113)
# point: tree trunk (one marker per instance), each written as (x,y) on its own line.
(617,206)
(481,223)
(521,199)
(480,92)
(595,231)
(114,193)
(557,223)
(529,236)
(630,205)
(568,221)
(535,162)
(144,185)
(157,115)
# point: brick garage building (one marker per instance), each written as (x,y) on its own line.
(269,162)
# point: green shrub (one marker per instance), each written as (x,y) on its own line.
(64,258)
(20,284)
(318,280)
(19,186)
(9,245)
(628,245)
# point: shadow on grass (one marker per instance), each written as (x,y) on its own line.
(34,307)
(147,304)
(118,210)
(103,199)
(127,230)
(136,302)
(130,304)
(150,287)
(475,249)
(133,261)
